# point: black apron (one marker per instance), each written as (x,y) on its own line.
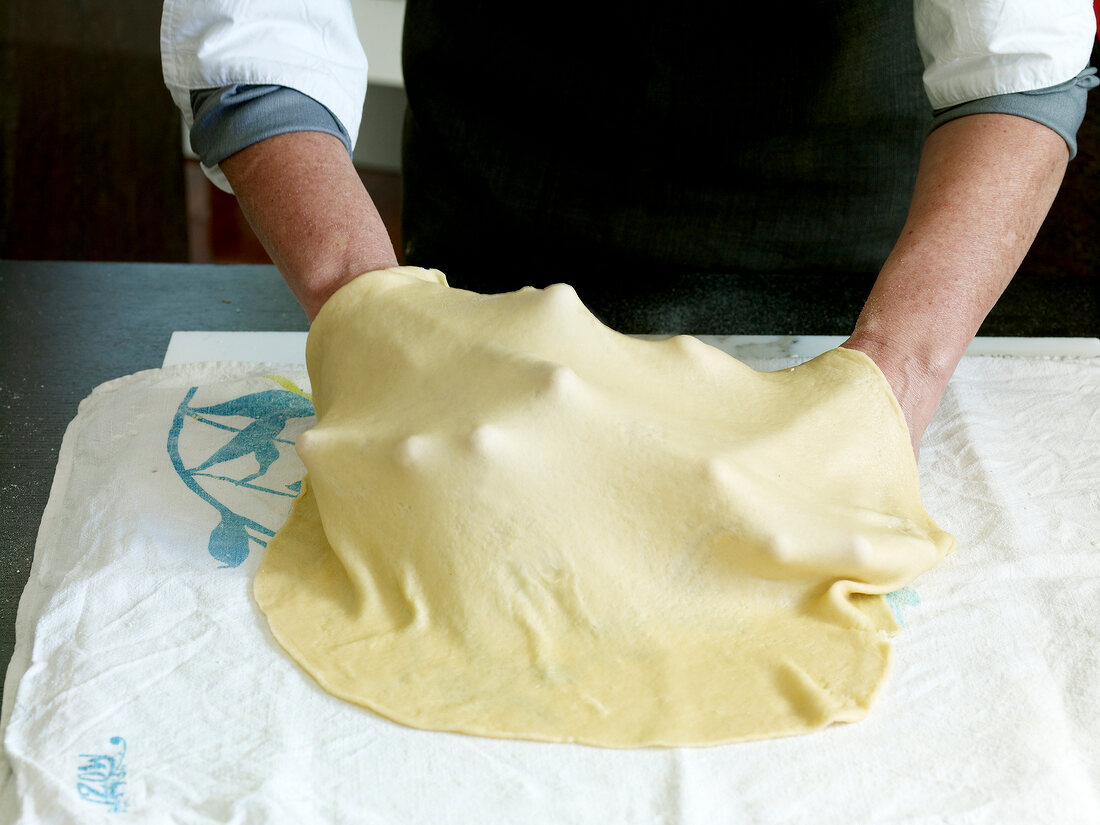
(626,149)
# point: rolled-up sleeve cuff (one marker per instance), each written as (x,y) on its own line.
(1060,107)
(230,118)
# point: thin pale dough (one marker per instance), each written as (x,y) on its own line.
(519,523)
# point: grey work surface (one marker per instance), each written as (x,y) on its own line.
(67,327)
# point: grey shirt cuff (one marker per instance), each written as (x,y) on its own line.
(229,118)
(1060,107)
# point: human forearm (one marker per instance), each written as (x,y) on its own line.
(984,187)
(306,203)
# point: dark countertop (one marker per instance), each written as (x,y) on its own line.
(67,327)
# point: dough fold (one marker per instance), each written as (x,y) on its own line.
(519,523)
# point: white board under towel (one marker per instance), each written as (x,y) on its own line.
(145,686)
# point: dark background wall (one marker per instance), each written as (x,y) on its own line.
(1069,240)
(89,138)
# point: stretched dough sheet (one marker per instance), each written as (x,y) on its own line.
(146,686)
(518,522)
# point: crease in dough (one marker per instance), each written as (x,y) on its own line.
(519,523)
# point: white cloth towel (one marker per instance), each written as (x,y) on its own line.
(145,686)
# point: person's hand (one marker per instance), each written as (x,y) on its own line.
(917,386)
(305,201)
(984,185)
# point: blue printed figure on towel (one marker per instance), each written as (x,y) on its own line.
(905,597)
(270,410)
(100,777)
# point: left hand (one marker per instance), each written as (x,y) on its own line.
(918,387)
(984,185)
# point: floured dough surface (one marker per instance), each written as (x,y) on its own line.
(517,522)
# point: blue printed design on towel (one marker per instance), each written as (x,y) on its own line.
(905,597)
(100,777)
(270,410)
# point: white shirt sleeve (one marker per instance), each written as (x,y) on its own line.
(979,48)
(310,45)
